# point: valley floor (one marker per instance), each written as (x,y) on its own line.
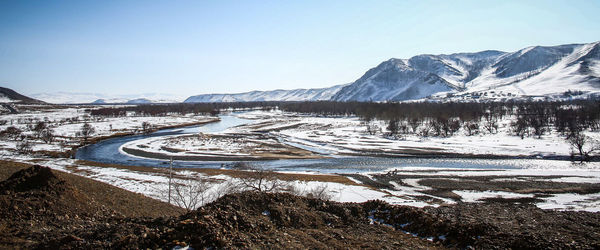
(548,184)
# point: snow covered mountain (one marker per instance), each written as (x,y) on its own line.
(547,71)
(274,95)
(542,71)
(96,98)
(394,80)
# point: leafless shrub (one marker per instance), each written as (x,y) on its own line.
(372,128)
(414,124)
(425,130)
(471,128)
(227,187)
(261,180)
(24,147)
(146,127)
(11,132)
(190,193)
(320,192)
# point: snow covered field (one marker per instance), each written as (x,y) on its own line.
(154,184)
(348,135)
(65,123)
(415,187)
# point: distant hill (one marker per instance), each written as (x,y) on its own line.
(99,98)
(273,95)
(10,96)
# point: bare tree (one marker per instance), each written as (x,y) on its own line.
(393,127)
(321,192)
(86,131)
(226,187)
(414,124)
(520,127)
(39,128)
(583,144)
(490,123)
(47,135)
(472,128)
(146,127)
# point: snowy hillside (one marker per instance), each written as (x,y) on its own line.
(537,71)
(97,98)
(274,95)
(395,81)
(533,71)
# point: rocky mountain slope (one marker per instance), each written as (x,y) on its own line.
(533,71)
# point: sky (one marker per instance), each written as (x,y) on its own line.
(198,47)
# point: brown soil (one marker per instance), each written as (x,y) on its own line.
(38,205)
(40,208)
(443,185)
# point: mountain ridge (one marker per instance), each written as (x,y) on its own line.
(531,71)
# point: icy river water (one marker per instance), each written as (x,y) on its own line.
(107,151)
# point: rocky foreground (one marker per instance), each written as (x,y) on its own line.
(40,208)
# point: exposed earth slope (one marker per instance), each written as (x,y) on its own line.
(42,208)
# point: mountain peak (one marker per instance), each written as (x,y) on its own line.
(531,71)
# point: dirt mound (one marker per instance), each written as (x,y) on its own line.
(494,225)
(41,208)
(34,214)
(251,220)
(33,178)
(35,204)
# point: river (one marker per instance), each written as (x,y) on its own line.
(107,151)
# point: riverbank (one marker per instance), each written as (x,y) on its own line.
(216,147)
(349,136)
(573,192)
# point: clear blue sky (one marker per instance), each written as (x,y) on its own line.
(195,47)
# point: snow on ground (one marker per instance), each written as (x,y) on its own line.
(198,145)
(477,196)
(348,134)
(67,122)
(336,135)
(568,201)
